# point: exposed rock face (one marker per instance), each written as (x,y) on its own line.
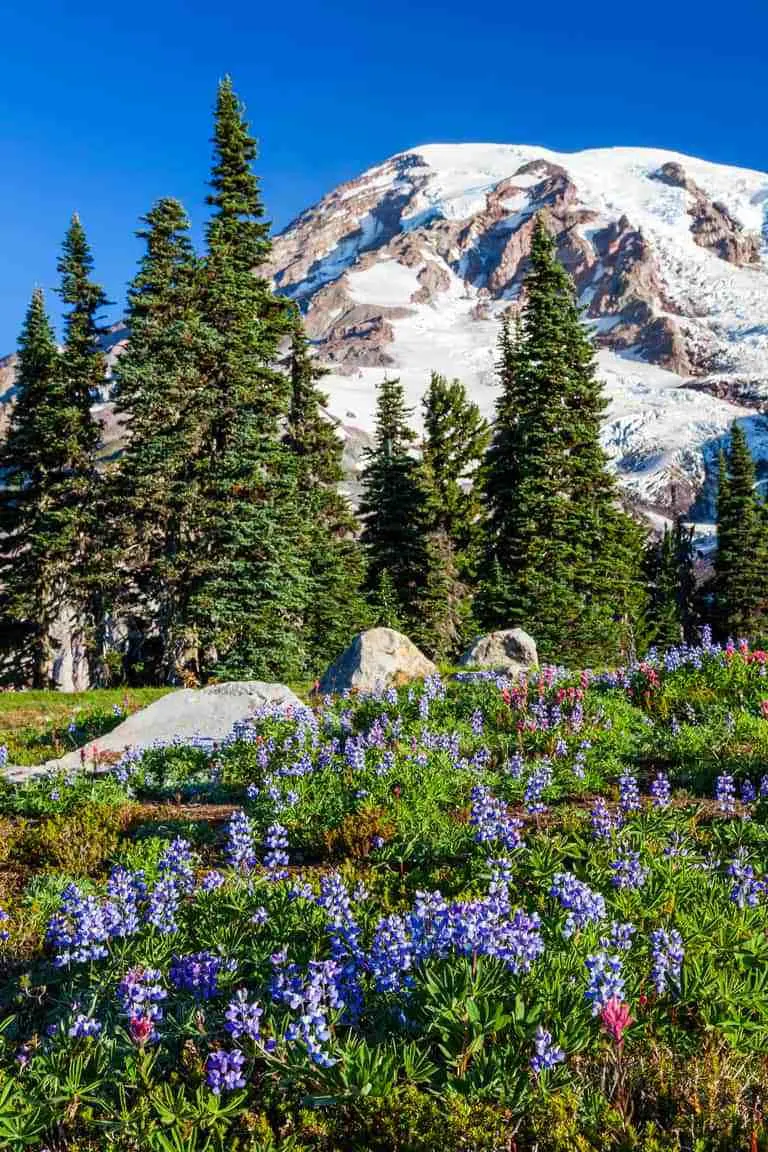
(713,225)
(190,714)
(374,660)
(511,651)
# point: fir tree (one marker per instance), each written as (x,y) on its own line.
(392,506)
(40,499)
(741,582)
(455,440)
(335,606)
(155,492)
(83,369)
(566,558)
(250,595)
(671,586)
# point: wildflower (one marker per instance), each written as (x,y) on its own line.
(537,783)
(629,794)
(259,917)
(252,792)
(177,864)
(628,872)
(197,973)
(725,793)
(77,931)
(491,820)
(140,995)
(141,1029)
(211,881)
(584,906)
(163,905)
(4,933)
(125,891)
(747,889)
(84,1026)
(616,1018)
(240,849)
(224,1071)
(660,790)
(603,824)
(243,1017)
(748,791)
(276,857)
(606,981)
(667,955)
(547,1054)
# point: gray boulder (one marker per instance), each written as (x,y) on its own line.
(511,651)
(374,660)
(190,714)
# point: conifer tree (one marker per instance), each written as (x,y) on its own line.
(566,558)
(250,597)
(155,492)
(335,605)
(741,574)
(40,499)
(455,440)
(392,508)
(83,369)
(671,586)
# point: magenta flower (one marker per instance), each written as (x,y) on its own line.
(616,1018)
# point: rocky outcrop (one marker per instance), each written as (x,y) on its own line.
(206,715)
(713,226)
(511,651)
(374,660)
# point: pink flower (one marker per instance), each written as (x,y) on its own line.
(141,1029)
(764,709)
(616,1018)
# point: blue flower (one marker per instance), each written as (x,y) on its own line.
(224,1071)
(546,1054)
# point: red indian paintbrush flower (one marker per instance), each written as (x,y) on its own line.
(616,1018)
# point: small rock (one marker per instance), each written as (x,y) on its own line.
(374,660)
(512,651)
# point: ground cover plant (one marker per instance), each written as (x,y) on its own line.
(473,913)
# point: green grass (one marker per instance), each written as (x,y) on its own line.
(34,725)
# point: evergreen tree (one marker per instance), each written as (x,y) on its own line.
(741,579)
(155,492)
(392,507)
(335,606)
(671,586)
(40,499)
(250,593)
(566,558)
(455,440)
(83,369)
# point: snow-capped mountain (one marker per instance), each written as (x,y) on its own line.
(409,267)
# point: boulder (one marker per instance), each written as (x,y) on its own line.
(374,660)
(205,715)
(511,651)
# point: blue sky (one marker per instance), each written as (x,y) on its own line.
(104,108)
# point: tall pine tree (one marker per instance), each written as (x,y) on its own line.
(671,582)
(562,559)
(83,368)
(392,510)
(155,491)
(40,500)
(455,440)
(741,562)
(335,605)
(250,596)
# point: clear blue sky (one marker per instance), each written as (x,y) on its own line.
(106,107)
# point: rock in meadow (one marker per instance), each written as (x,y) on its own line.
(190,714)
(511,651)
(374,660)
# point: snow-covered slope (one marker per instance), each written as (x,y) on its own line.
(409,267)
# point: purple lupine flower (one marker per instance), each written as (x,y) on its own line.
(477,722)
(3,755)
(197,973)
(620,937)
(211,881)
(561,747)
(747,889)
(515,766)
(77,931)
(583,905)
(4,933)
(537,783)
(125,891)
(224,1071)
(163,906)
(606,981)
(629,794)
(310,996)
(259,916)
(240,850)
(667,954)
(546,1054)
(725,793)
(177,864)
(252,792)
(276,856)
(140,993)
(83,1026)
(660,790)
(603,824)
(243,1017)
(491,820)
(675,847)
(628,872)
(748,791)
